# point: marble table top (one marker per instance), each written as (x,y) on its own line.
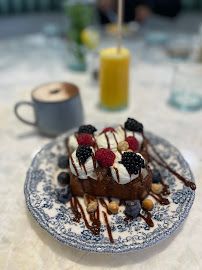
(27,62)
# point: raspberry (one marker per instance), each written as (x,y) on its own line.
(108,129)
(105,157)
(87,129)
(83,152)
(85,139)
(133,143)
(132,162)
(133,125)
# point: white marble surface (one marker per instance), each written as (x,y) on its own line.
(24,64)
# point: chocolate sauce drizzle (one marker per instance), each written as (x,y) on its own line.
(103,203)
(117,174)
(115,138)
(160,199)
(166,166)
(147,219)
(107,139)
(94,217)
(108,228)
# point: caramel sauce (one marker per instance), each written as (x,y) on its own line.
(108,228)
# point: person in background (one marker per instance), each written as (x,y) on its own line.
(138,10)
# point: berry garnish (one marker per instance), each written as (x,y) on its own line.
(133,208)
(133,143)
(105,157)
(64,195)
(108,129)
(87,129)
(63,162)
(85,139)
(133,125)
(156,176)
(83,152)
(132,162)
(63,178)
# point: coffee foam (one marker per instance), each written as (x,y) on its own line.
(55,92)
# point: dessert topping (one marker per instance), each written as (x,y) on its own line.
(133,208)
(156,177)
(63,178)
(108,129)
(123,146)
(105,157)
(65,195)
(156,188)
(87,129)
(113,207)
(133,125)
(63,162)
(92,206)
(148,204)
(108,140)
(85,139)
(83,152)
(132,162)
(133,143)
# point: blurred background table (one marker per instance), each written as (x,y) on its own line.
(33,58)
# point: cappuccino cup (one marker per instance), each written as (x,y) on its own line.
(57,108)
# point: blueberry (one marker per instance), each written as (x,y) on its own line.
(63,178)
(133,208)
(64,195)
(63,162)
(156,176)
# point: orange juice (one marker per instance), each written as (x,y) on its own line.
(114,78)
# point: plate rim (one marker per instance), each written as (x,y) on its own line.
(84,248)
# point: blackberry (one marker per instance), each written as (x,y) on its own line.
(87,129)
(83,152)
(133,125)
(132,162)
(63,162)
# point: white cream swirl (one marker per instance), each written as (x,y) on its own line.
(82,170)
(109,137)
(128,133)
(72,143)
(121,175)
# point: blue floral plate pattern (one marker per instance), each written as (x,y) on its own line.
(41,194)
